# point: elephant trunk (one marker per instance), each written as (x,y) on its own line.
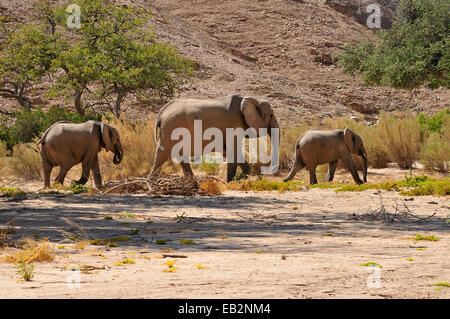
(273,124)
(118,154)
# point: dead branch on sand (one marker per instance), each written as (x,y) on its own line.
(399,212)
(168,185)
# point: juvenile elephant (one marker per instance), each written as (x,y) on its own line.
(66,144)
(316,147)
(231,112)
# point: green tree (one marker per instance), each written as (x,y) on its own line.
(26,55)
(115,54)
(414,52)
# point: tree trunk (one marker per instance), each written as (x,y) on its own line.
(119,100)
(78,105)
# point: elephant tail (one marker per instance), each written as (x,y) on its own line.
(157,125)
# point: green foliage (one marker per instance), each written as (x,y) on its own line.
(415,51)
(441,284)
(26,55)
(116,54)
(410,186)
(429,238)
(78,189)
(435,132)
(25,271)
(433,124)
(10,191)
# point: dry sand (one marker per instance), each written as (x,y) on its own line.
(252,244)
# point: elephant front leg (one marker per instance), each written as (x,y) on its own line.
(96,173)
(351,167)
(86,167)
(245,167)
(331,169)
(187,169)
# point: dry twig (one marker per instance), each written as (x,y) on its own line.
(399,212)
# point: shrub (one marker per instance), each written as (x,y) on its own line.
(33,251)
(26,161)
(412,53)
(402,138)
(435,153)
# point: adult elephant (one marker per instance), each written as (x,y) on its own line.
(315,147)
(66,144)
(229,112)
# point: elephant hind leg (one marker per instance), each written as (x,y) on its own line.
(47,168)
(312,176)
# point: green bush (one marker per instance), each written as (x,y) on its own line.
(435,151)
(412,53)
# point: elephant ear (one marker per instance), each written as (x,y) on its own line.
(349,139)
(252,114)
(106,136)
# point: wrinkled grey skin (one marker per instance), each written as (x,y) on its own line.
(315,147)
(231,111)
(66,144)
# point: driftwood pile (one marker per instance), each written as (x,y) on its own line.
(167,185)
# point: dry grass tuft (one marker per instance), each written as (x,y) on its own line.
(26,161)
(33,251)
(401,135)
(211,187)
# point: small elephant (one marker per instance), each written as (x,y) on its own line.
(66,144)
(315,147)
(230,112)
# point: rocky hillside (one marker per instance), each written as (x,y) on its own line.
(282,50)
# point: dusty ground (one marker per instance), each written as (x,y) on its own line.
(255,245)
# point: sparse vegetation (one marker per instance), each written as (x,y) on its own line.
(10,191)
(411,53)
(428,238)
(32,251)
(371,264)
(25,271)
(127,261)
(187,241)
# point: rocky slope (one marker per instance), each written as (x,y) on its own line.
(281,50)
